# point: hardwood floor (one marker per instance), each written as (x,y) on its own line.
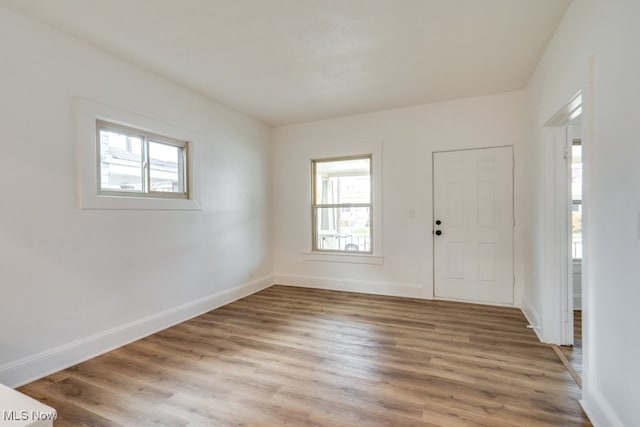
(293,356)
(574,353)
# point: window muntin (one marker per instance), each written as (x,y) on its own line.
(342,204)
(136,163)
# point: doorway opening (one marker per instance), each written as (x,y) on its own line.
(567,209)
(573,353)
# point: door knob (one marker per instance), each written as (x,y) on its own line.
(438,232)
(438,222)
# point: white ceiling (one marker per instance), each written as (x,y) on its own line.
(288,61)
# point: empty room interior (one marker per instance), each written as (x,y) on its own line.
(327,213)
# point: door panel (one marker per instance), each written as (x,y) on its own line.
(473,199)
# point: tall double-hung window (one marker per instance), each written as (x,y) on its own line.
(576,196)
(342,204)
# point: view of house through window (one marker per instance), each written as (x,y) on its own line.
(576,195)
(138,163)
(342,209)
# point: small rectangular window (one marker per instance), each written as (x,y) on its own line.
(342,204)
(137,163)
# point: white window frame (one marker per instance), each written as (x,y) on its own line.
(87,114)
(338,150)
(147,137)
(315,206)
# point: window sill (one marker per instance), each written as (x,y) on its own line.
(342,257)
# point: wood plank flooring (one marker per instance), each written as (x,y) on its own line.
(293,356)
(574,353)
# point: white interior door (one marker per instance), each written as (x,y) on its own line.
(473,225)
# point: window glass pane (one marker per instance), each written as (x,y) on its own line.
(576,225)
(576,194)
(343,229)
(576,172)
(121,161)
(343,181)
(165,167)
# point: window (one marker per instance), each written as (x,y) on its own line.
(576,196)
(137,163)
(342,204)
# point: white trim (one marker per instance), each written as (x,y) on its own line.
(598,409)
(86,114)
(338,149)
(589,342)
(477,302)
(555,256)
(343,257)
(567,113)
(408,290)
(31,368)
(532,316)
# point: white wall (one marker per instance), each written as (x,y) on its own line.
(77,282)
(608,31)
(409,137)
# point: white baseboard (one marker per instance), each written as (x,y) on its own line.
(406,290)
(532,316)
(31,368)
(598,408)
(466,301)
